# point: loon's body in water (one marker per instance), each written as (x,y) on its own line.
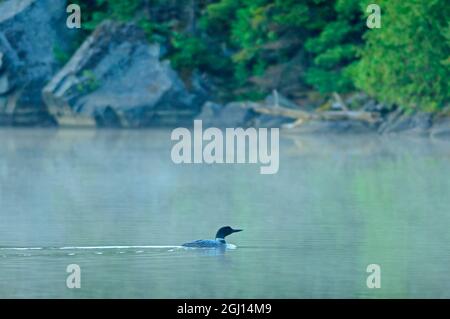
(219,242)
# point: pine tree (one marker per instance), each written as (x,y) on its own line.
(406,61)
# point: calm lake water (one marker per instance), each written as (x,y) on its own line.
(336,205)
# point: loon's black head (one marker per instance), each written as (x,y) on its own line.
(225,231)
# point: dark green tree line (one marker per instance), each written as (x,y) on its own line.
(249,46)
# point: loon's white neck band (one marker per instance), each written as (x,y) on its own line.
(222,240)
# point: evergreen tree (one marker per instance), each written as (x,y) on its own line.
(335,49)
(406,61)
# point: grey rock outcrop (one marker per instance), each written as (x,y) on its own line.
(30,31)
(223,116)
(334,127)
(441,128)
(401,122)
(116,79)
(234,114)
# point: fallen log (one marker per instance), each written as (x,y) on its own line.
(302,116)
(277,111)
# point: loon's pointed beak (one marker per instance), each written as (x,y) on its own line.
(237,230)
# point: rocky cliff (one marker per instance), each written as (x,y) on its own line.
(116,79)
(30,31)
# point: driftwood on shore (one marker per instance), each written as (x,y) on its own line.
(302,116)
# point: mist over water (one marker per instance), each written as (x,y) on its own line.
(119,207)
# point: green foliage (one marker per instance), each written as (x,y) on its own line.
(191,52)
(335,49)
(60,55)
(406,61)
(95,11)
(89,82)
(185,50)
(218,16)
(262,33)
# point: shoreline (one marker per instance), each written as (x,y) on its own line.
(312,129)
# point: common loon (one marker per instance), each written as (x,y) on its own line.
(219,242)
